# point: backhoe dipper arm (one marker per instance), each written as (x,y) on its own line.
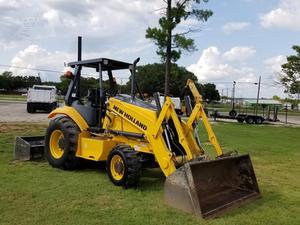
(199,113)
(191,85)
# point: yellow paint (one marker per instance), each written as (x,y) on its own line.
(95,148)
(124,116)
(191,85)
(73,114)
(117,167)
(55,149)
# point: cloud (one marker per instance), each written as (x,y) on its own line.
(239,53)
(286,15)
(35,59)
(234,26)
(113,23)
(213,66)
(273,64)
(209,65)
(6,6)
(34,55)
(103,20)
(32,31)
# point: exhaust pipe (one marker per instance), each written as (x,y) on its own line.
(209,188)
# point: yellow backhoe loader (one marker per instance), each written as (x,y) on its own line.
(130,134)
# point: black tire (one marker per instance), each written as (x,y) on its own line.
(132,166)
(54,106)
(259,120)
(29,108)
(240,120)
(232,113)
(70,131)
(51,107)
(249,119)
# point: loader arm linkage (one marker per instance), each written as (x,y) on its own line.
(199,113)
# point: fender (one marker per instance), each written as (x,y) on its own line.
(73,114)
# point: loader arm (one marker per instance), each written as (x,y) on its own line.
(152,128)
(199,113)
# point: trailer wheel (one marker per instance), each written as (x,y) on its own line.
(240,120)
(249,119)
(61,143)
(259,120)
(232,113)
(123,166)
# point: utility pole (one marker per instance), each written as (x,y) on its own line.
(258,90)
(227,93)
(233,93)
(39,75)
(222,95)
(298,95)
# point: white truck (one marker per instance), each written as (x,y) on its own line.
(41,97)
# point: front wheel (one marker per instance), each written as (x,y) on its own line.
(123,166)
(232,113)
(61,143)
(240,120)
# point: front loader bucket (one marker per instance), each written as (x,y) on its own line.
(209,188)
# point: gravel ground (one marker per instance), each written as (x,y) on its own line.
(16,112)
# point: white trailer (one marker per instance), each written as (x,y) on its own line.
(41,97)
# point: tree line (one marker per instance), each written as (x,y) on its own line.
(10,83)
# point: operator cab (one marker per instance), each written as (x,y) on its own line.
(92,105)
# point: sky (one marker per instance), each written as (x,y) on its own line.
(244,39)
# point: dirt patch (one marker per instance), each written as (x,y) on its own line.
(15,127)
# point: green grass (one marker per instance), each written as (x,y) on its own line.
(35,193)
(12,97)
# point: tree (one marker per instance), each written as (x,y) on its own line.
(276,97)
(149,78)
(169,44)
(290,76)
(5,80)
(209,92)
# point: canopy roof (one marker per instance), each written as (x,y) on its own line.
(106,64)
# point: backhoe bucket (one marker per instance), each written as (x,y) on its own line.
(209,188)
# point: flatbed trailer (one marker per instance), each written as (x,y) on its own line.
(248,118)
(245,115)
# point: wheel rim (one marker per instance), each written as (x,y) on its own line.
(56,144)
(117,167)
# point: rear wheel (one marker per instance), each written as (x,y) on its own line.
(29,108)
(123,166)
(249,119)
(259,120)
(61,143)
